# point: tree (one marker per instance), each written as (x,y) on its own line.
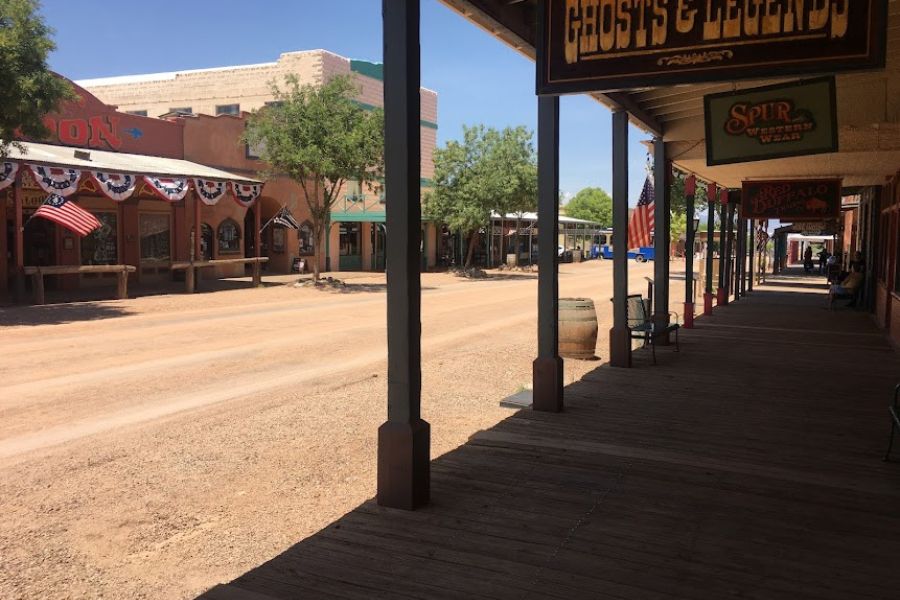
(320,137)
(29,90)
(489,170)
(591,204)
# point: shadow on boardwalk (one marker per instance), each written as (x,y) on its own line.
(748,465)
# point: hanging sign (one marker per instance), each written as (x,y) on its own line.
(56,180)
(210,191)
(246,194)
(8,172)
(795,119)
(793,200)
(115,186)
(170,189)
(601,45)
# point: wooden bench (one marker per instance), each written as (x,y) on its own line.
(642,326)
(189,268)
(37,276)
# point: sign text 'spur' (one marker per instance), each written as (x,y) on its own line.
(778,121)
(601,45)
(792,200)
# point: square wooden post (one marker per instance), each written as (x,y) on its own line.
(257,223)
(751,251)
(547,369)
(20,236)
(721,293)
(690,190)
(404,440)
(710,234)
(620,334)
(662,237)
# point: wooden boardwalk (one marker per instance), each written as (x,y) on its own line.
(746,466)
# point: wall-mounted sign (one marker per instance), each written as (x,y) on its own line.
(792,200)
(777,121)
(599,45)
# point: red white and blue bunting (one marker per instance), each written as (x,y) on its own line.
(209,190)
(170,189)
(8,172)
(246,194)
(56,180)
(115,186)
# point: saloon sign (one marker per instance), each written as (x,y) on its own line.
(597,45)
(793,200)
(777,121)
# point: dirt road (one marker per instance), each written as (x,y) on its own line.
(157,446)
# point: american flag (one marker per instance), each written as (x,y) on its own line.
(68,214)
(640,228)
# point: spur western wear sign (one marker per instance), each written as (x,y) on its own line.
(597,45)
(772,122)
(792,200)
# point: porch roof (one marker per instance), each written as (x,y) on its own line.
(117,162)
(868,108)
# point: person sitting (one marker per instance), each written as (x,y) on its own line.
(847,288)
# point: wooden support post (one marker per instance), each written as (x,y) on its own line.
(690,190)
(742,281)
(662,237)
(710,234)
(620,334)
(192,275)
(404,440)
(20,237)
(726,282)
(547,368)
(751,251)
(190,279)
(257,250)
(122,284)
(721,294)
(37,284)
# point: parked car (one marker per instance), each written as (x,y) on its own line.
(641,255)
(563,255)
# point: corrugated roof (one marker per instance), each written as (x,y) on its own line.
(117,162)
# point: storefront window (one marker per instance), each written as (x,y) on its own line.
(206,242)
(305,237)
(229,237)
(350,233)
(100,247)
(278,239)
(155,237)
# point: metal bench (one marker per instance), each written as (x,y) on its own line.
(642,326)
(895,420)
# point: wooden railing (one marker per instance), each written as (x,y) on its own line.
(37,276)
(189,268)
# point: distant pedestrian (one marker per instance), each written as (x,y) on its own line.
(807,260)
(823,259)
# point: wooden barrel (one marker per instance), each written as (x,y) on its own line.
(577,328)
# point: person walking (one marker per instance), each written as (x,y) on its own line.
(807,259)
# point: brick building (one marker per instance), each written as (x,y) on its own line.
(356,240)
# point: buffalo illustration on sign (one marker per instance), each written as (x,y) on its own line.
(792,200)
(777,121)
(603,45)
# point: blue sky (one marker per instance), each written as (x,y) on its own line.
(478,79)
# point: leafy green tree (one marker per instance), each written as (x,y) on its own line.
(29,90)
(591,204)
(321,137)
(489,170)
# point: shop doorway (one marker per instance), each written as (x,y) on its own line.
(350,247)
(379,241)
(40,243)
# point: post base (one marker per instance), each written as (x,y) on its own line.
(662,321)
(707,304)
(721,297)
(620,347)
(547,384)
(404,464)
(688,315)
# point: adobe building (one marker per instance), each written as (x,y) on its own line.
(209,99)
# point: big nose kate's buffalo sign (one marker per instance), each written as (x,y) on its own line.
(601,45)
(792,200)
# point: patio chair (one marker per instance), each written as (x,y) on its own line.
(643,327)
(895,421)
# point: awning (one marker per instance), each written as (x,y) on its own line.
(117,162)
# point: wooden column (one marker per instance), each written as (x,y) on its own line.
(404,440)
(742,281)
(191,274)
(620,334)
(751,252)
(257,224)
(710,233)
(662,236)
(727,281)
(20,236)
(690,190)
(721,292)
(547,369)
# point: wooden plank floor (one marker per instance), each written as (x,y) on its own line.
(746,466)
